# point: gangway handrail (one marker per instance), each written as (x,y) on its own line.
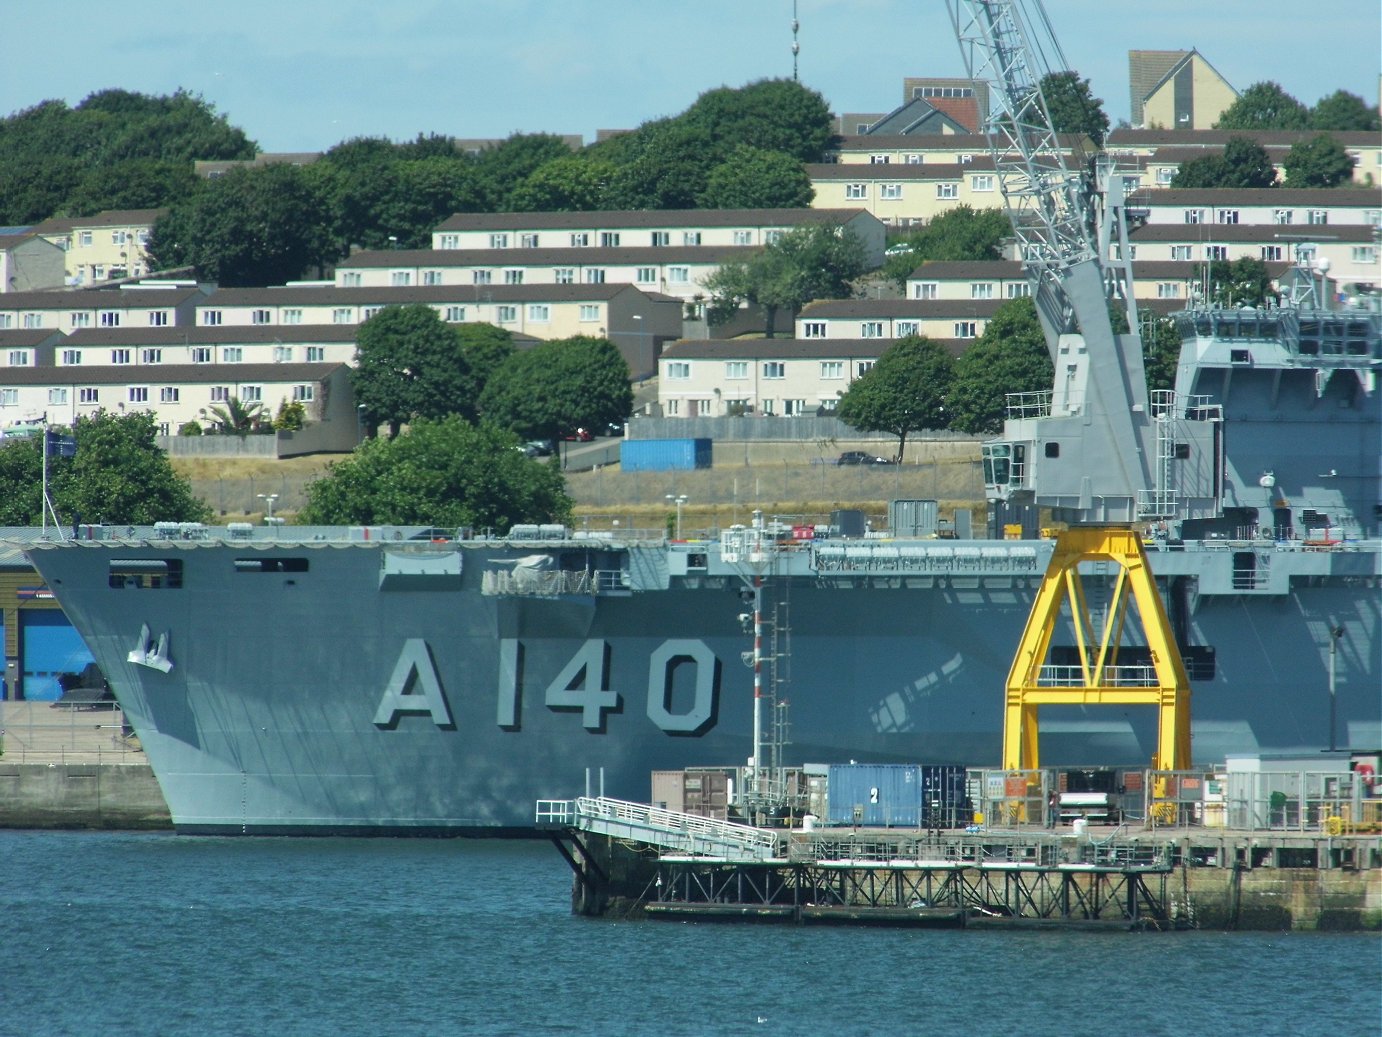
(669,829)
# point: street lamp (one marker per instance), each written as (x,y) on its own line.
(268,499)
(1334,634)
(678,499)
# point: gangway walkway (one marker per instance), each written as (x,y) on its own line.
(671,832)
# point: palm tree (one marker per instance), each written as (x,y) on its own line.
(236,418)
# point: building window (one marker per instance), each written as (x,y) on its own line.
(965,329)
(1165,174)
(679,274)
(539,313)
(201,354)
(772,237)
(431,277)
(1018,289)
(400,278)
(1167,290)
(1194,215)
(879,160)
(594,275)
(168,394)
(871,329)
(292,316)
(527,241)
(482,276)
(743,237)
(211,318)
(151,356)
(813,329)
(646,275)
(315,354)
(981,183)
(912,159)
(863,367)
(513,276)
(1283,216)
(119,356)
(678,370)
(219,394)
(304,393)
(947,190)
(609,239)
(1216,252)
(89,395)
(71,357)
(1180,252)
(498,241)
(139,394)
(691,237)
(455,314)
(110,319)
(260,317)
(981,290)
(1364,254)
(57,397)
(1226,216)
(1317,217)
(672,407)
(19,358)
(856,192)
(580,239)
(736,369)
(926,290)
(341,315)
(564,275)
(661,237)
(118,237)
(449,241)
(283,354)
(98,272)
(352,279)
(1132,182)
(590,311)
(366,312)
(232,355)
(32,320)
(252,393)
(9,397)
(81,320)
(832,368)
(6,321)
(906,327)
(158,318)
(890,192)
(774,369)
(507,314)
(1271,252)
(83,239)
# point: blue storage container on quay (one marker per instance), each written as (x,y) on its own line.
(664,455)
(875,795)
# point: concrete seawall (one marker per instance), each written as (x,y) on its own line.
(81,795)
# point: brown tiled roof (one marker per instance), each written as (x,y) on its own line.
(432,294)
(898,170)
(977,143)
(255,334)
(1216,139)
(496,257)
(794,348)
(1211,233)
(168,374)
(21,338)
(510,221)
(1316,197)
(60,299)
(110,218)
(968,270)
(937,309)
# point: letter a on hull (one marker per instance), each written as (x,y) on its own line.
(413,688)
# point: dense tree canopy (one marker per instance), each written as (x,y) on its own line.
(570,184)
(956,235)
(115,150)
(904,392)
(1244,163)
(1240,282)
(752,178)
(251,227)
(441,473)
(409,364)
(1320,161)
(1342,110)
(770,114)
(558,386)
(1010,357)
(117,476)
(1073,107)
(1160,351)
(1264,106)
(811,262)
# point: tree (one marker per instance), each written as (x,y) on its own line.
(669,170)
(571,184)
(770,114)
(1342,110)
(237,418)
(502,168)
(117,475)
(1318,162)
(444,473)
(904,392)
(752,178)
(409,365)
(817,261)
(1264,106)
(1242,282)
(1010,357)
(1243,164)
(1161,345)
(1073,107)
(557,386)
(485,348)
(251,227)
(961,234)
(291,416)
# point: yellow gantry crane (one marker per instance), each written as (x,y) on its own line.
(1092,449)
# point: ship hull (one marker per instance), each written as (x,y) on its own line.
(331,695)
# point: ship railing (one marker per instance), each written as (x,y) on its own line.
(1021,405)
(939,558)
(1064,676)
(520,582)
(670,829)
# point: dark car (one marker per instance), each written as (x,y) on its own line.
(859,457)
(538,448)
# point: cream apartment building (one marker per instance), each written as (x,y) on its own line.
(105,247)
(172,305)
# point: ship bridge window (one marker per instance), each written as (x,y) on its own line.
(145,573)
(271,565)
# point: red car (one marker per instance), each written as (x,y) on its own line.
(581,435)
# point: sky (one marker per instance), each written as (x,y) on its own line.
(302,75)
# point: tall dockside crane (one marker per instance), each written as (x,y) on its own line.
(1091,449)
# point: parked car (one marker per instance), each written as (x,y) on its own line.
(860,457)
(538,448)
(614,428)
(580,435)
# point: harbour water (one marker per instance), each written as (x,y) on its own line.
(112,933)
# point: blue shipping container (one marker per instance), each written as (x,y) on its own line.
(664,455)
(945,803)
(877,795)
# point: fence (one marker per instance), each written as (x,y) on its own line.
(42,732)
